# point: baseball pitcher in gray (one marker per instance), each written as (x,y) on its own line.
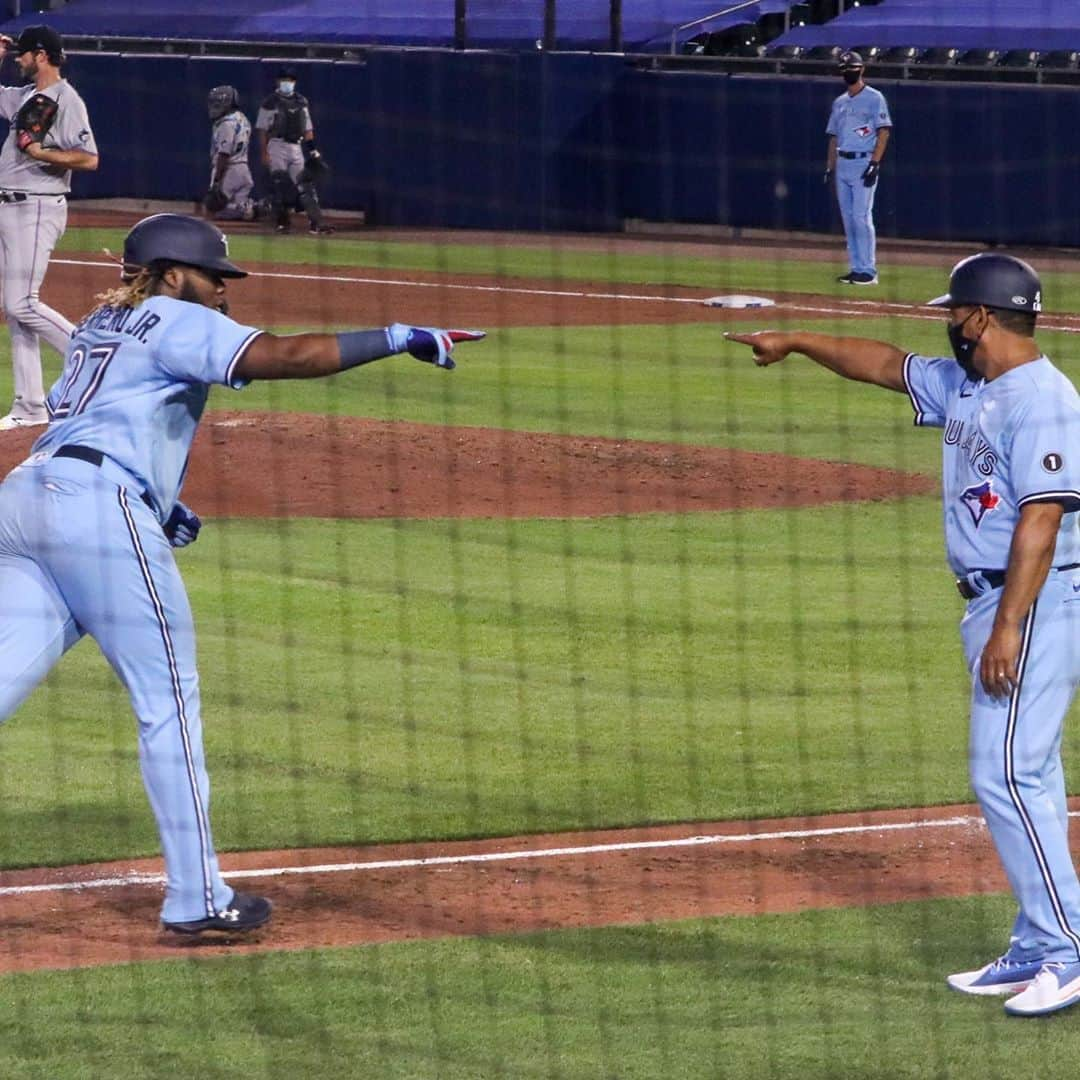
(36,163)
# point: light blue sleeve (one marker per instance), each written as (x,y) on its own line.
(1045,452)
(832,127)
(930,384)
(201,345)
(883,119)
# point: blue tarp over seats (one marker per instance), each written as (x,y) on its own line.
(1043,25)
(580,24)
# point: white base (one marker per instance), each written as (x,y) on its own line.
(739,301)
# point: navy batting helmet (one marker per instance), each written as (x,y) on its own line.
(177,238)
(849,60)
(221,100)
(995,281)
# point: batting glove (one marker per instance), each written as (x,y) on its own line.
(870,175)
(182,527)
(827,178)
(429,344)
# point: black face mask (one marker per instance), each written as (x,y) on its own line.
(964,348)
(851,77)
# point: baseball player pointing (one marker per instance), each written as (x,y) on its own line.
(42,149)
(1010,425)
(89,522)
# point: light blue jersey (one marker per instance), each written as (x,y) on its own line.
(1008,442)
(135,383)
(855,120)
(83,551)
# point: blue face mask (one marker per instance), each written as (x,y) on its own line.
(286,87)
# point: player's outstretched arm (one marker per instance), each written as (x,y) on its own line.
(309,356)
(861,359)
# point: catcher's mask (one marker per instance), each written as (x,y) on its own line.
(221,101)
(177,238)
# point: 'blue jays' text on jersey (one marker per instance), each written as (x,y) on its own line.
(1008,442)
(135,383)
(855,120)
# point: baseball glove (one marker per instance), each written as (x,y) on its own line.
(33,120)
(315,168)
(215,200)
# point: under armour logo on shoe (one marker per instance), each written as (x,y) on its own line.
(229,914)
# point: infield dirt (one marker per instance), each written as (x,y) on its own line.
(272,465)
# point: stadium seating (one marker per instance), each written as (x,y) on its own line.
(516,24)
(1020,58)
(1059,59)
(901,54)
(979,57)
(1001,25)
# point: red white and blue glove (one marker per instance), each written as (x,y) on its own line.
(182,526)
(428,343)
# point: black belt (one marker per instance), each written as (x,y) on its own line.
(22,196)
(995,579)
(849,154)
(95,457)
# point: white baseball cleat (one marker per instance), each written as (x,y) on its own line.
(1056,987)
(12,421)
(1000,976)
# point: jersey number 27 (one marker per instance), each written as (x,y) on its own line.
(100,356)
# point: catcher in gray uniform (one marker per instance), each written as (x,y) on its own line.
(49,137)
(288,152)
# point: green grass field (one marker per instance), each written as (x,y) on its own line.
(548,259)
(393,680)
(857,994)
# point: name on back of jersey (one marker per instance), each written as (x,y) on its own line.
(120,321)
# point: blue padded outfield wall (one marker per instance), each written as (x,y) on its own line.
(575,142)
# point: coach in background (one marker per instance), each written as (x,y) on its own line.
(858,131)
(1010,425)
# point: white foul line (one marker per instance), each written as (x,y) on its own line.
(135,878)
(903,311)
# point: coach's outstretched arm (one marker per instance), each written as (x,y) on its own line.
(860,359)
(308,356)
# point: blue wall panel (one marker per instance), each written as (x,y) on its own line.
(546,141)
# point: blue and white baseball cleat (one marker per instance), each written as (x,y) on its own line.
(1056,987)
(243,913)
(1001,976)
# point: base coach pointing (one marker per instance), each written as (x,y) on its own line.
(1010,423)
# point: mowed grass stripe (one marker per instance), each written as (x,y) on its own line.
(852,993)
(710,268)
(385,680)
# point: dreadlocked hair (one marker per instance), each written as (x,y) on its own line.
(133,290)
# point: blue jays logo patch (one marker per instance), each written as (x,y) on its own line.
(980,500)
(865,131)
